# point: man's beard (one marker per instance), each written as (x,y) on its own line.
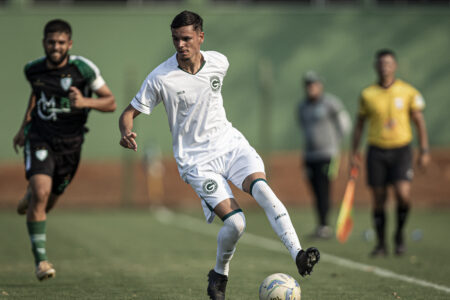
(59,61)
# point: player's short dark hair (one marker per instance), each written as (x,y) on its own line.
(186,18)
(57,25)
(383,52)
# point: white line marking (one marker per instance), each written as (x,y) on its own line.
(196,225)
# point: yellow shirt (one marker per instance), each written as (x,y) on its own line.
(388,112)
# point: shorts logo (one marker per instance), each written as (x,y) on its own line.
(215,83)
(210,186)
(41,154)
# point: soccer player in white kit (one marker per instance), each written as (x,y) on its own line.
(207,148)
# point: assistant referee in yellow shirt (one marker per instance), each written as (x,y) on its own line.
(389,106)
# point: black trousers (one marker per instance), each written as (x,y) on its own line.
(318,175)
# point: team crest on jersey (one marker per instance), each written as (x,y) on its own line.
(66,82)
(41,154)
(399,102)
(210,186)
(215,83)
(47,110)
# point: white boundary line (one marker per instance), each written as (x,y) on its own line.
(196,225)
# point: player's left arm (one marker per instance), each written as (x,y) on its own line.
(341,118)
(105,101)
(424,154)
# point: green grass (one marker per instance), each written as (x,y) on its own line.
(130,254)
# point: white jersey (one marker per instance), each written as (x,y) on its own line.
(194,106)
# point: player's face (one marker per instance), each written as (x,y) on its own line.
(386,66)
(57,46)
(187,41)
(314,90)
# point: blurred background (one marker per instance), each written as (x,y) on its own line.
(270,45)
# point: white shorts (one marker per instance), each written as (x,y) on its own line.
(209,180)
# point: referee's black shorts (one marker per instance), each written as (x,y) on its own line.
(387,166)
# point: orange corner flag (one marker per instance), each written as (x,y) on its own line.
(345,221)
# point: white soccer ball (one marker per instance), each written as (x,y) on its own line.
(279,286)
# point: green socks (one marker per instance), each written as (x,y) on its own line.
(36,230)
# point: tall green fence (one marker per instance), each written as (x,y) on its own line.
(269,48)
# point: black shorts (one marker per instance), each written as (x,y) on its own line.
(58,158)
(387,166)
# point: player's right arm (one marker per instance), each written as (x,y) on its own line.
(19,138)
(128,137)
(355,155)
(355,158)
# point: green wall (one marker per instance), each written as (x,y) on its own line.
(127,43)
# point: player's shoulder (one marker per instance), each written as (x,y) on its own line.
(405,86)
(215,57)
(331,98)
(35,65)
(164,69)
(303,104)
(86,67)
(369,90)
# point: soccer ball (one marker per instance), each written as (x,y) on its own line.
(279,286)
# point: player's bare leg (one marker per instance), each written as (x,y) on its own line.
(379,195)
(36,222)
(51,202)
(256,185)
(24,202)
(402,194)
(233,228)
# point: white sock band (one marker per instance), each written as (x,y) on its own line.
(277,214)
(232,229)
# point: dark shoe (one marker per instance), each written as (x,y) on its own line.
(306,260)
(217,283)
(324,232)
(379,250)
(400,247)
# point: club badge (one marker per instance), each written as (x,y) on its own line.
(210,186)
(215,83)
(41,154)
(66,82)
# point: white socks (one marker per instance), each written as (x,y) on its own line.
(232,229)
(278,216)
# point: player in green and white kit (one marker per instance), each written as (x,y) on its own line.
(208,149)
(53,129)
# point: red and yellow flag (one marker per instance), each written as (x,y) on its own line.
(345,221)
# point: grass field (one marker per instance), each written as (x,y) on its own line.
(137,254)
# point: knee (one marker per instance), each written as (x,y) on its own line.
(379,198)
(41,194)
(237,223)
(403,198)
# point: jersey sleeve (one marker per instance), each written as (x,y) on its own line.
(417,101)
(226,64)
(32,65)
(89,71)
(334,103)
(362,109)
(220,60)
(148,96)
